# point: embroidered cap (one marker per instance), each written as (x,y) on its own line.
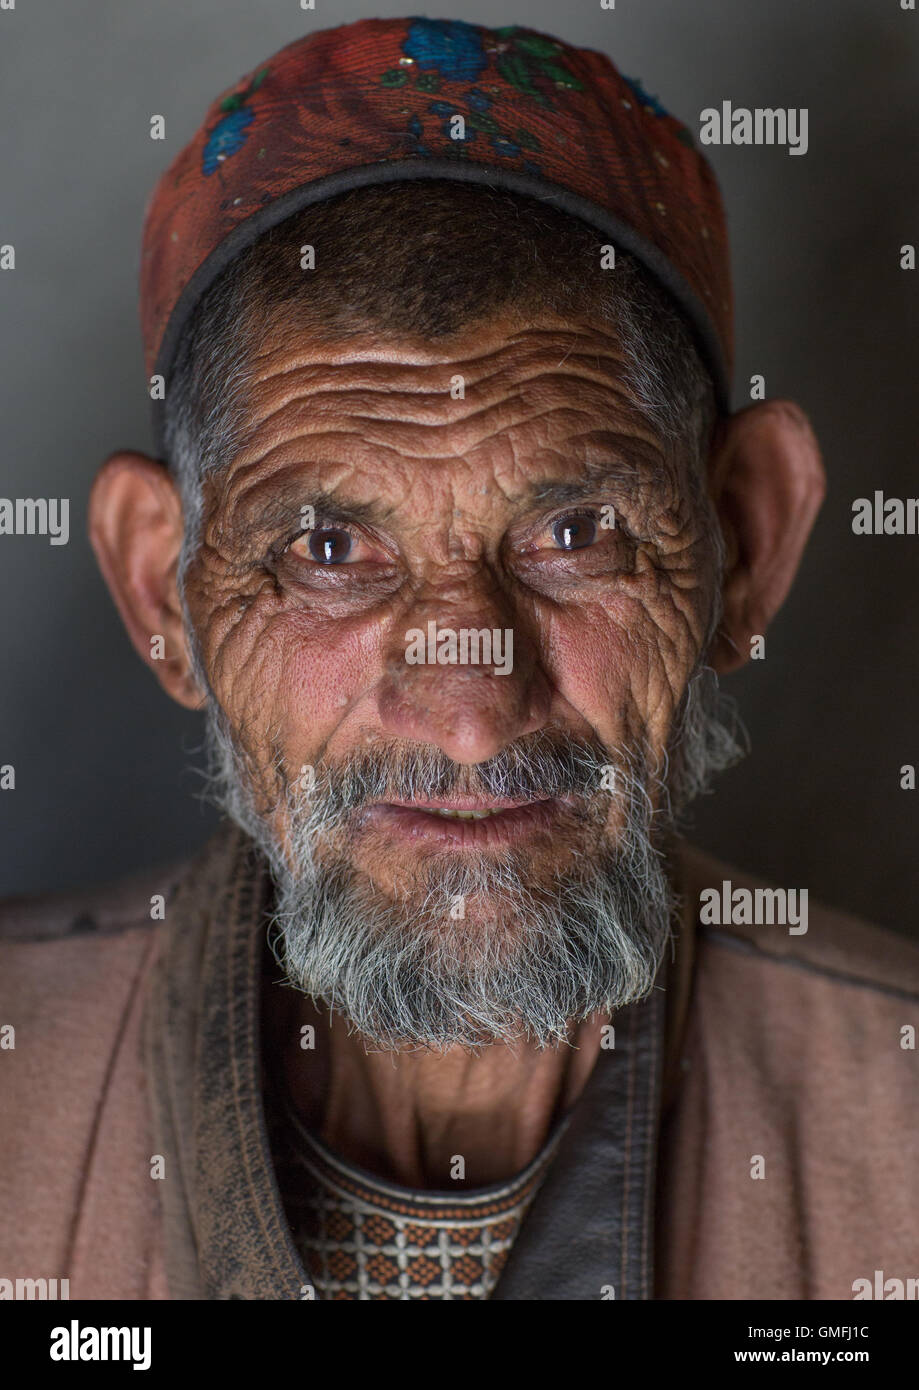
(378,102)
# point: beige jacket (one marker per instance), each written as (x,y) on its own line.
(136,1051)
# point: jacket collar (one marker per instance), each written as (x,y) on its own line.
(226,1235)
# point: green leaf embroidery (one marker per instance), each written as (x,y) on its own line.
(537,46)
(561,77)
(514,70)
(478,121)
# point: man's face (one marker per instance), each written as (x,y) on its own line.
(503,483)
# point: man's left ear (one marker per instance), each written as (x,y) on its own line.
(767,482)
(136,527)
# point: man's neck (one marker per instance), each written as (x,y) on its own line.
(410,1116)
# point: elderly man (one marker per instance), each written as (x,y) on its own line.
(449,534)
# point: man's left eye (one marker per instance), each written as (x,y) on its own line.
(574,531)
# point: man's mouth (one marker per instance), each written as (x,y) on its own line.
(470,822)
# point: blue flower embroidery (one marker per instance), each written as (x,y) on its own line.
(502,145)
(478,100)
(451,46)
(230,133)
(228,136)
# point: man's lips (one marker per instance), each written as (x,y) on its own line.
(465,822)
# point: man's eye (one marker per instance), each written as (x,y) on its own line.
(574,532)
(338,546)
(330,546)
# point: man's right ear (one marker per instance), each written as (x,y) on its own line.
(136,527)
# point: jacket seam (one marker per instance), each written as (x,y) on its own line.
(746,947)
(19,937)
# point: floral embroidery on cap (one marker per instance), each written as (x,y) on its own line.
(451,46)
(231,133)
(476,118)
(458,52)
(525,57)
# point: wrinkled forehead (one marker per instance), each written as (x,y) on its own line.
(505,410)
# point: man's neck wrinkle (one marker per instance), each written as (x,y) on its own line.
(434,1121)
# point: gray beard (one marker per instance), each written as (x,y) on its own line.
(482,948)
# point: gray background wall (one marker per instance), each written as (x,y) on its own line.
(823,311)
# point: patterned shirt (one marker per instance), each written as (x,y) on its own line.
(361,1237)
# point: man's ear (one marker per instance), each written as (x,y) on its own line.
(767,482)
(136,526)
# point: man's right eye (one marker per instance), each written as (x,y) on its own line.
(330,546)
(333,545)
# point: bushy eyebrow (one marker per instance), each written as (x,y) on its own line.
(283,511)
(331,507)
(596,476)
(555,491)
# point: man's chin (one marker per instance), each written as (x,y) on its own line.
(448,901)
(496,899)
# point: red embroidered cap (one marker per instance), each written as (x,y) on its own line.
(377,101)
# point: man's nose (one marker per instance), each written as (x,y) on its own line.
(464,675)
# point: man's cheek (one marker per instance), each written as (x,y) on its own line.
(320,675)
(244,657)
